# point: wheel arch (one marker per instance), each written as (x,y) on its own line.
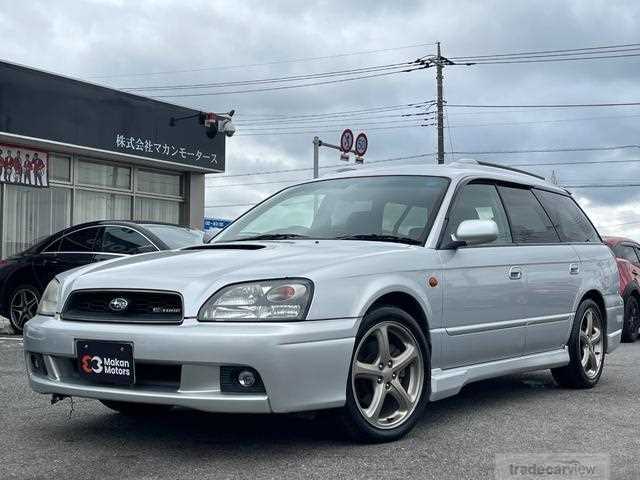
(597,297)
(21,276)
(406,302)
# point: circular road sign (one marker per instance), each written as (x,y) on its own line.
(362,143)
(346,140)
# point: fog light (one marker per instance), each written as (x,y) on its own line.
(37,364)
(246,378)
(240,379)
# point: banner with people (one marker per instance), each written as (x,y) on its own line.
(22,166)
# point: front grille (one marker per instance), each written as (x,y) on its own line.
(123,306)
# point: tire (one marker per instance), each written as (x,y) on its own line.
(21,306)
(377,384)
(630,329)
(131,409)
(584,343)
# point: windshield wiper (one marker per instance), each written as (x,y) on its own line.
(380,238)
(272,236)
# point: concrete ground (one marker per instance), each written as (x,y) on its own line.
(457,439)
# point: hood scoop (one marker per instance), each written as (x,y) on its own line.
(226,246)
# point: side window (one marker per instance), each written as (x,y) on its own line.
(85,240)
(479,202)
(529,221)
(626,252)
(570,222)
(125,241)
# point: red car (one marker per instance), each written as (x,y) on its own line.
(627,253)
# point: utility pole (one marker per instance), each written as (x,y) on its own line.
(440,106)
(316,154)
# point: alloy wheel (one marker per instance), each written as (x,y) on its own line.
(24,305)
(591,342)
(387,375)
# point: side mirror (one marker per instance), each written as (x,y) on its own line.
(476,232)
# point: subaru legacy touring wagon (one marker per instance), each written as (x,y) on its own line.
(371,292)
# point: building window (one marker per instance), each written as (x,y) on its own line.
(155,210)
(91,206)
(60,168)
(32,214)
(104,175)
(159,183)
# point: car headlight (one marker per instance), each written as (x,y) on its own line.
(267,300)
(49,302)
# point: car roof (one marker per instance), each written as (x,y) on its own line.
(455,171)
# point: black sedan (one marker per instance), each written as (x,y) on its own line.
(24,277)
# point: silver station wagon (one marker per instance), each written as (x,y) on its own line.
(371,292)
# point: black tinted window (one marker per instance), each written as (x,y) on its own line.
(570,222)
(125,241)
(626,252)
(478,202)
(529,222)
(85,240)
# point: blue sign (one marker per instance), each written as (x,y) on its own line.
(211,223)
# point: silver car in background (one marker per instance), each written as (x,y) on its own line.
(371,292)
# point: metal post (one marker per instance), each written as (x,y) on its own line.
(316,151)
(440,107)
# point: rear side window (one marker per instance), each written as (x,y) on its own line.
(570,222)
(626,252)
(85,240)
(529,221)
(125,241)
(478,202)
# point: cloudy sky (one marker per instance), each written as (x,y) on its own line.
(154,43)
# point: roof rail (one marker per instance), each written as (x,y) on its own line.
(517,170)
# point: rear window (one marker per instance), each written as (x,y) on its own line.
(570,222)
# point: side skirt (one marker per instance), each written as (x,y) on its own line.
(445,383)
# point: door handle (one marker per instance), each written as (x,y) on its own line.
(515,273)
(574,269)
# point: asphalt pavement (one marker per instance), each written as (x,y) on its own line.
(457,439)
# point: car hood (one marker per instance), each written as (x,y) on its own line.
(198,272)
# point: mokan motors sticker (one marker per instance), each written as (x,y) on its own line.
(94,364)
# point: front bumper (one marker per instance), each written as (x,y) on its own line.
(304,365)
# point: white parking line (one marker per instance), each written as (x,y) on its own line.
(11,339)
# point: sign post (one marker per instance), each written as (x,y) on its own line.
(345,148)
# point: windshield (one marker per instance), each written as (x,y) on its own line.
(176,237)
(391,208)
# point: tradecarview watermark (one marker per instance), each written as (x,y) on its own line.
(552,466)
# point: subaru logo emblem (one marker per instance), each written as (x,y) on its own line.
(119,304)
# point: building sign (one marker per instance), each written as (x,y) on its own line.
(213,223)
(41,105)
(22,166)
(146,145)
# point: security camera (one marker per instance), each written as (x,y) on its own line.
(227,127)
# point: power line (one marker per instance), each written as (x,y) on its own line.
(336,130)
(548,105)
(548,150)
(535,122)
(545,60)
(261,64)
(358,118)
(543,52)
(401,106)
(362,122)
(262,81)
(288,87)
